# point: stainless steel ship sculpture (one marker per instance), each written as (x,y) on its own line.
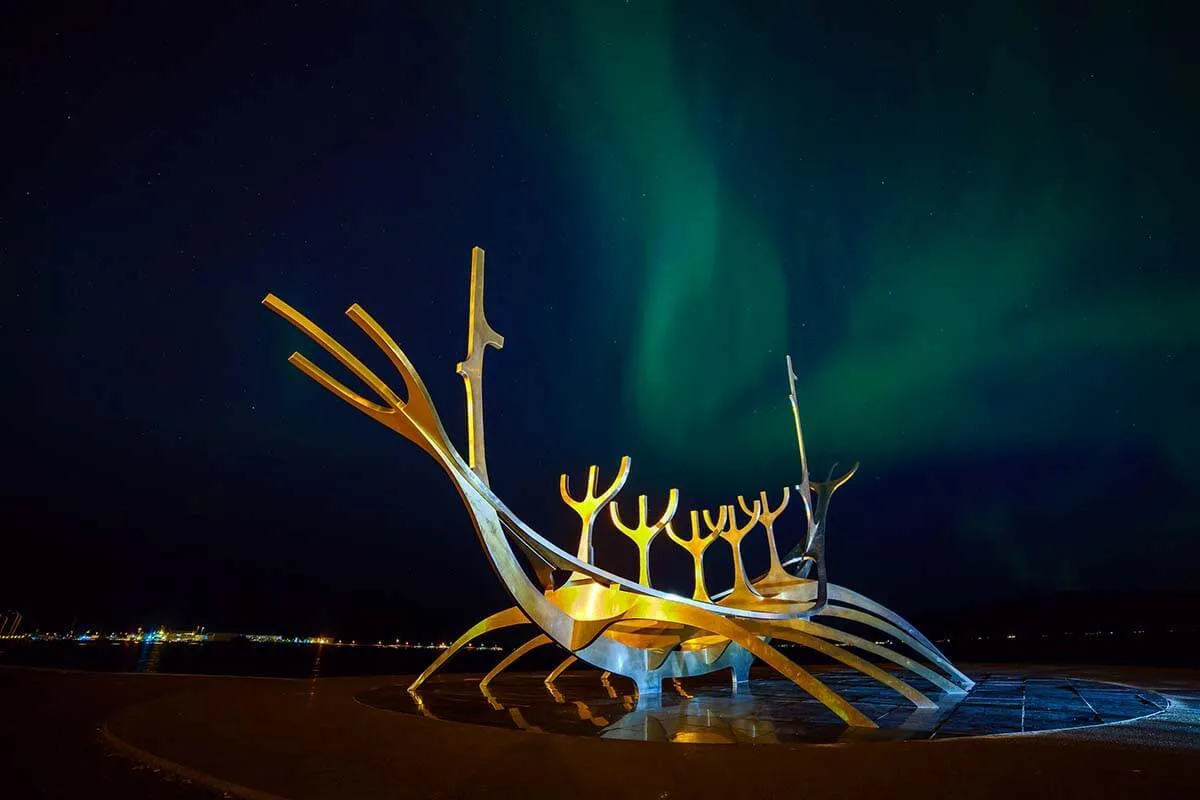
(626,626)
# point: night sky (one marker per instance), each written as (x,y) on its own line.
(974,229)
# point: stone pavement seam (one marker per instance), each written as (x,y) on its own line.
(203,778)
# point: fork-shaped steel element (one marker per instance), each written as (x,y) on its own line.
(776,577)
(644,533)
(814,553)
(698,544)
(742,591)
(589,507)
(413,417)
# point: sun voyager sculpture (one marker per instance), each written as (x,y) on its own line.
(626,626)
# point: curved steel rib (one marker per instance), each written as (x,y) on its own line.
(849,639)
(509,659)
(560,669)
(501,619)
(794,634)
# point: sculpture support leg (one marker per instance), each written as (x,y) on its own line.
(649,684)
(964,683)
(928,649)
(833,634)
(532,644)
(740,671)
(501,619)
(649,608)
(560,669)
(789,633)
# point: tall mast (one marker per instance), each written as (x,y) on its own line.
(804,486)
(479,336)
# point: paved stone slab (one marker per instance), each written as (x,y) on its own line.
(311,740)
(770,710)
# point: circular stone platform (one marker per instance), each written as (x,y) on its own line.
(771,711)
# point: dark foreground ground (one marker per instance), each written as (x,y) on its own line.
(72,734)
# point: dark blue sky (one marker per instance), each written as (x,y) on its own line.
(973,227)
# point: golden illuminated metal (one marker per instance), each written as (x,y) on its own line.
(643,534)
(742,592)
(620,625)
(589,507)
(480,336)
(698,544)
(509,659)
(776,578)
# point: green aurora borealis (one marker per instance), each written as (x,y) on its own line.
(965,242)
(972,225)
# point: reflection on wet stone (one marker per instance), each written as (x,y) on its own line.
(583,703)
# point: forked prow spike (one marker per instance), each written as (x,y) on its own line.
(334,348)
(336,387)
(418,402)
(415,419)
